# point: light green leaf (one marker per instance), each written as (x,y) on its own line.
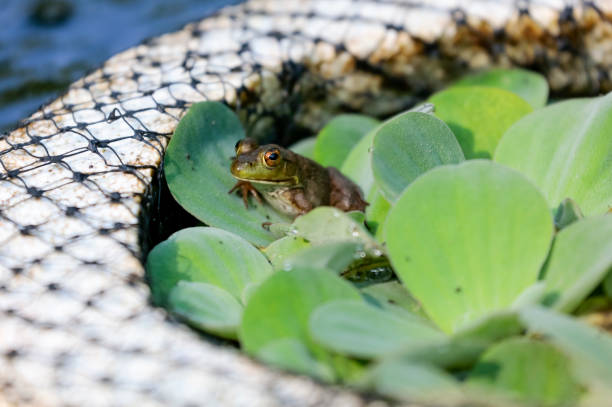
(304,147)
(197,168)
(336,139)
(463,349)
(356,165)
(415,382)
(465,346)
(206,255)
(248,290)
(407,146)
(529,371)
(282,305)
(279,229)
(292,354)
(334,238)
(334,256)
(491,328)
(589,348)
(283,248)
(206,307)
(357,216)
(452,354)
(376,213)
(391,296)
(532,295)
(529,85)
(479,116)
(358,329)
(565,149)
(467,239)
(325,225)
(580,259)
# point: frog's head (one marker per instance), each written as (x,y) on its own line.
(269,164)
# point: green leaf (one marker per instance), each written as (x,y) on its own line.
(358,329)
(549,381)
(567,213)
(461,350)
(453,354)
(206,255)
(415,383)
(206,307)
(334,256)
(248,290)
(281,307)
(337,138)
(356,165)
(529,85)
(325,225)
(376,213)
(479,116)
(532,295)
(283,248)
(467,239)
(565,149)
(392,295)
(589,348)
(279,229)
(304,147)
(409,145)
(292,354)
(197,167)
(357,216)
(579,260)
(491,328)
(335,238)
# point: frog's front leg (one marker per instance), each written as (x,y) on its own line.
(245,188)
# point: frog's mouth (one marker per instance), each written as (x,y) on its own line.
(287,181)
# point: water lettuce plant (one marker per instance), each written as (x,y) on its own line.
(487,227)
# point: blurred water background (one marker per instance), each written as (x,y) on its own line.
(47,44)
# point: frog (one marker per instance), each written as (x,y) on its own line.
(289,182)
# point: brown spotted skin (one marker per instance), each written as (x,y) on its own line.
(299,201)
(344,193)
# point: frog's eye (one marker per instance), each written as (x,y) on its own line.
(272,157)
(237,145)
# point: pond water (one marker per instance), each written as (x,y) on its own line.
(47,44)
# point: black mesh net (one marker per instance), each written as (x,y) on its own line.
(80,181)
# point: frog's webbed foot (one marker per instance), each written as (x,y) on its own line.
(245,188)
